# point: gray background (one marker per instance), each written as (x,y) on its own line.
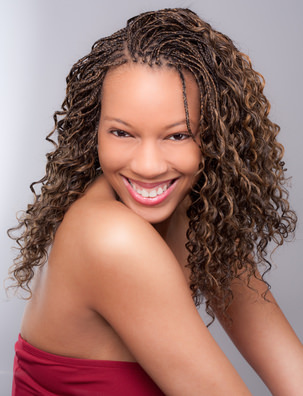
(40,41)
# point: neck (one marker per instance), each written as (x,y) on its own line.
(170,225)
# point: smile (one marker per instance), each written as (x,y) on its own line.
(149,193)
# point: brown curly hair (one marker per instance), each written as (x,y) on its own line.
(239,203)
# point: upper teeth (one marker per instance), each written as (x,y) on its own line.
(149,193)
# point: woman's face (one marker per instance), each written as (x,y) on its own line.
(145,150)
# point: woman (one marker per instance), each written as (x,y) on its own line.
(165,186)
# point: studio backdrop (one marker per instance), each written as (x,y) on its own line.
(41,40)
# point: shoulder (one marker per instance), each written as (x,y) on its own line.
(110,222)
(109,252)
(94,229)
(98,212)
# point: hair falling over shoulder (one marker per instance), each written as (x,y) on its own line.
(239,203)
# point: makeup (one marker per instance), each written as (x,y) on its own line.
(149,193)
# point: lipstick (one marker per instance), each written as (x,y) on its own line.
(149,193)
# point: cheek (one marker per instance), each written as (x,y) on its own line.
(110,156)
(190,160)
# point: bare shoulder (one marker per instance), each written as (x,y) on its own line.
(96,224)
(100,232)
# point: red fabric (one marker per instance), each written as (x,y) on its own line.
(41,373)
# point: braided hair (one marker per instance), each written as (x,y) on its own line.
(239,203)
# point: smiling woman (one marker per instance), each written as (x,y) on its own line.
(165,186)
(153,161)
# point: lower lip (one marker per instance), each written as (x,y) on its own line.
(149,201)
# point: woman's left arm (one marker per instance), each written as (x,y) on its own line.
(265,338)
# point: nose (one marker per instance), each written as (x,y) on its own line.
(148,161)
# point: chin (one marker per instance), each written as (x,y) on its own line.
(154,215)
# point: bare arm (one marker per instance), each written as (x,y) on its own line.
(265,338)
(133,280)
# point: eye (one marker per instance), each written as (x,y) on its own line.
(179,136)
(119,133)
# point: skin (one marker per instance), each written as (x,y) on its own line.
(116,287)
(143,136)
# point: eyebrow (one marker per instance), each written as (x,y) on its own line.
(182,122)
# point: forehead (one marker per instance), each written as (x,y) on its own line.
(156,91)
(132,72)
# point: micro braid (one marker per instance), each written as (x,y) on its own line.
(239,203)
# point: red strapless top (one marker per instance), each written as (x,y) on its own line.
(41,373)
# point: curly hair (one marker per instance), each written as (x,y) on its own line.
(239,203)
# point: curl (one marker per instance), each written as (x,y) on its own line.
(239,204)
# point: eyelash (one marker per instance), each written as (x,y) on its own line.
(120,133)
(181,136)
